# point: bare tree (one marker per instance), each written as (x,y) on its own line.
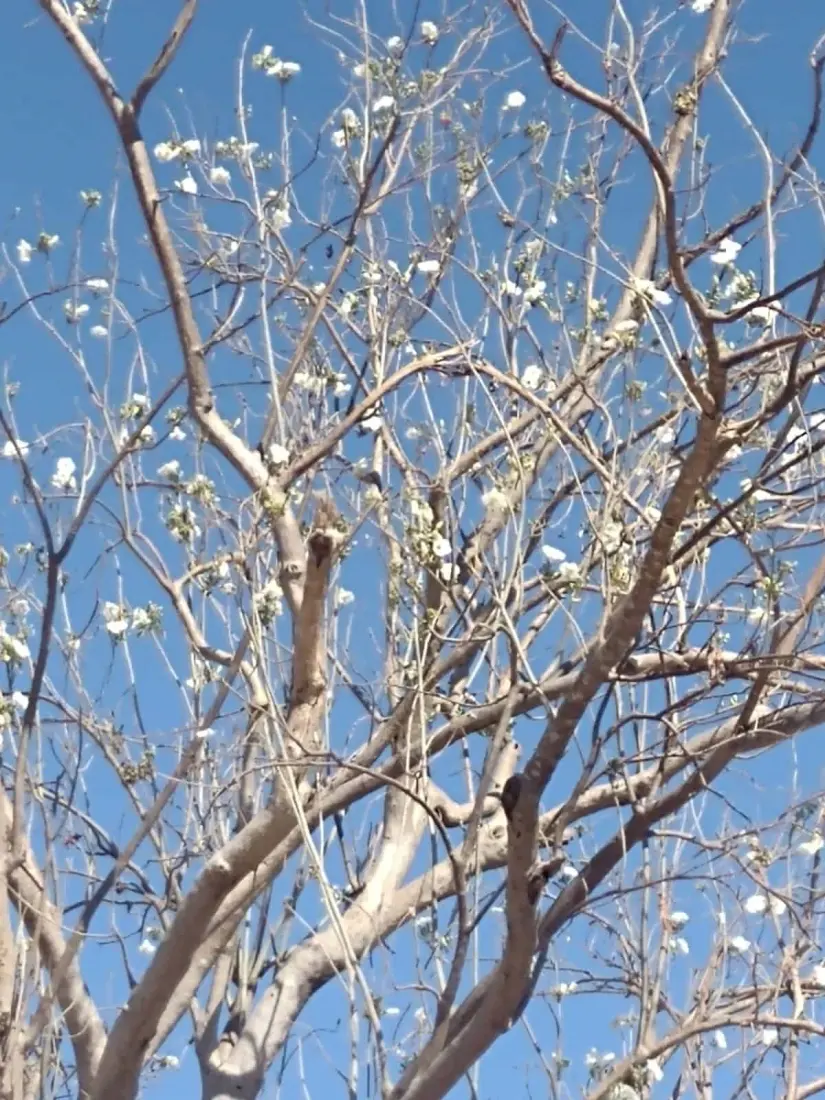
(416,613)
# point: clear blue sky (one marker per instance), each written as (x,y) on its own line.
(57,140)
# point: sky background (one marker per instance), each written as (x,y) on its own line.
(58,140)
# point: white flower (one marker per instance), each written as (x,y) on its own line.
(147,434)
(19,700)
(170,1061)
(535,292)
(740,945)
(531,376)
(63,476)
(756,904)
(726,253)
(100,332)
(654,1070)
(170,471)
(429,32)
(98,286)
(24,251)
(74,312)
(761,315)
(142,620)
(812,846)
(146,947)
(166,151)
(383,104)
(494,498)
(395,44)
(46,242)
(429,267)
(768,1036)
(343,597)
(511,288)
(818,974)
(339,138)
(372,423)
(553,555)
(442,547)
(192,146)
(627,326)
(648,289)
(177,433)
(283,70)
(569,872)
(220,176)
(719,1040)
(678,919)
(204,733)
(449,572)
(277,455)
(700,6)
(777,906)
(681,946)
(514,101)
(568,571)
(187,185)
(115,618)
(9,451)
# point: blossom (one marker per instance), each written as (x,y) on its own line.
(818,974)
(654,1070)
(204,733)
(740,945)
(681,946)
(777,906)
(24,251)
(100,332)
(648,289)
(494,498)
(191,147)
(442,547)
(531,376)
(9,451)
(569,872)
(429,267)
(170,471)
(146,947)
(13,650)
(177,433)
(372,423)
(115,618)
(187,185)
(726,252)
(339,138)
(383,104)
(145,619)
(63,476)
(514,101)
(568,571)
(395,44)
(535,292)
(719,1040)
(812,846)
(170,1061)
(74,311)
(46,242)
(700,6)
(627,326)
(756,904)
(429,32)
(768,1036)
(98,286)
(220,176)
(678,919)
(282,70)
(343,597)
(165,151)
(19,700)
(553,555)
(449,572)
(277,454)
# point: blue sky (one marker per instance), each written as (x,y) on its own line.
(58,140)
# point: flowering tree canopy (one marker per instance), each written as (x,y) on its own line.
(413,577)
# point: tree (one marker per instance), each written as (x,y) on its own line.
(415,551)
